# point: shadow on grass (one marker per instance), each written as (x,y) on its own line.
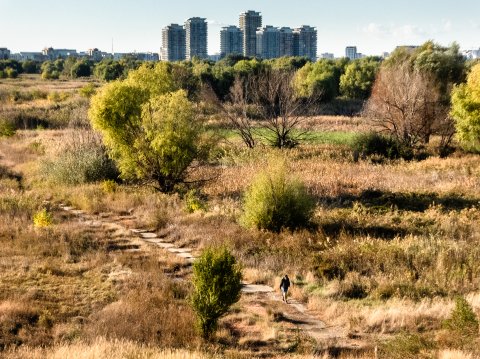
(415,202)
(334,230)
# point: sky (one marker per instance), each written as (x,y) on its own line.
(373,26)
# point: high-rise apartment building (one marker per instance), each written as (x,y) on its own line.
(250,21)
(268,42)
(351,52)
(173,43)
(305,42)
(196,38)
(286,42)
(4,53)
(231,41)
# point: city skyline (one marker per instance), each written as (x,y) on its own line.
(138,26)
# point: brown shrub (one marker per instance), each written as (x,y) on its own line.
(153,311)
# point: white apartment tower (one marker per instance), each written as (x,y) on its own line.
(231,41)
(268,42)
(250,21)
(173,43)
(196,33)
(305,42)
(287,47)
(351,52)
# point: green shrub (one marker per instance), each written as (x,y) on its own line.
(463,319)
(193,201)
(275,201)
(375,144)
(109,186)
(83,164)
(58,96)
(88,90)
(217,284)
(7,128)
(406,346)
(11,73)
(42,219)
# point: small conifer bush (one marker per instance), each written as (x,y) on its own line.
(217,284)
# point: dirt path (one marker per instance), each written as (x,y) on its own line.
(132,240)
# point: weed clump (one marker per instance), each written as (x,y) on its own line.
(276,201)
(42,219)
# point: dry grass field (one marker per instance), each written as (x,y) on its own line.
(392,246)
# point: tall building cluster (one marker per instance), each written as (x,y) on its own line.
(185,42)
(267,42)
(248,39)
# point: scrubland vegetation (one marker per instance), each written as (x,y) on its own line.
(378,231)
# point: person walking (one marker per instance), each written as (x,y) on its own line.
(284,285)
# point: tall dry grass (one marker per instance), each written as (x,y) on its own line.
(105,349)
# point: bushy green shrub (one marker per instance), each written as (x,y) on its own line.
(463,319)
(217,284)
(7,128)
(88,90)
(376,144)
(275,201)
(193,201)
(405,346)
(83,164)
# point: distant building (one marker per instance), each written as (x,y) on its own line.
(231,41)
(196,32)
(351,52)
(287,47)
(268,42)
(95,54)
(471,54)
(146,56)
(4,53)
(407,47)
(32,56)
(327,55)
(249,22)
(305,42)
(53,54)
(215,57)
(173,43)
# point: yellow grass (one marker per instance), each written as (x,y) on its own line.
(104,349)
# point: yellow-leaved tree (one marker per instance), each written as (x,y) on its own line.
(466,111)
(149,125)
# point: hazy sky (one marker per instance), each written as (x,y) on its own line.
(373,26)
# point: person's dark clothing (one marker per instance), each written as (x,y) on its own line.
(285,284)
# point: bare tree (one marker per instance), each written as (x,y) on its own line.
(269,101)
(407,104)
(280,109)
(235,110)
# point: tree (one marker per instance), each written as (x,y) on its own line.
(149,126)
(108,70)
(277,104)
(30,67)
(319,79)
(81,68)
(445,65)
(466,111)
(217,284)
(359,77)
(50,71)
(407,104)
